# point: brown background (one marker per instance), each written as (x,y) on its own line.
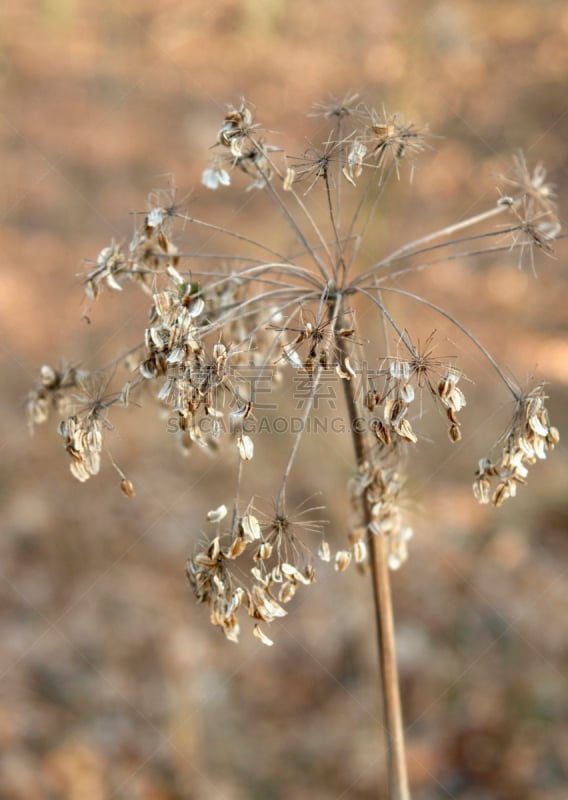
(113,683)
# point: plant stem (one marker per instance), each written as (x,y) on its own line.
(394,729)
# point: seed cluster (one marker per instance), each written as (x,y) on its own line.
(274,577)
(529,439)
(225,333)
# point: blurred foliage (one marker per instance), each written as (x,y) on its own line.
(113,685)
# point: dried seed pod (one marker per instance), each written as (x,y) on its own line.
(342,560)
(288,179)
(127,488)
(217,514)
(324,551)
(454,433)
(262,636)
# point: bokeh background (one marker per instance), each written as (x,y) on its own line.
(113,683)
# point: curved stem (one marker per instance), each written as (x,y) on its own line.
(417,246)
(443,313)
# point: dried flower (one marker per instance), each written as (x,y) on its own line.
(226,331)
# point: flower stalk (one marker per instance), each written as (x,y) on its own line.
(382,599)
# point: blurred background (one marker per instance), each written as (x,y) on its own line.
(113,683)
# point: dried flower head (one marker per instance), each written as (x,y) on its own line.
(227,331)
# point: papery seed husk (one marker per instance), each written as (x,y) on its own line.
(196,307)
(157,337)
(404,428)
(231,630)
(345,376)
(236,548)
(246,447)
(324,551)
(263,552)
(251,528)
(481,489)
(394,412)
(395,561)
(176,356)
(288,179)
(48,376)
(539,445)
(342,560)
(265,605)
(360,551)
(217,514)
(287,591)
(537,425)
(78,469)
(451,415)
(309,574)
(347,176)
(214,549)
(381,432)
(291,572)
(454,433)
(407,393)
(456,398)
(127,488)
(349,368)
(262,636)
(292,356)
(236,601)
(162,302)
(219,351)
(260,576)
(443,389)
(147,369)
(113,283)
(394,369)
(276,574)
(500,494)
(166,390)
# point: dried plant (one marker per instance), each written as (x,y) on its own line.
(221,329)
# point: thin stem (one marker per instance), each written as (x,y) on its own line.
(449,230)
(336,238)
(233,234)
(394,728)
(287,214)
(483,350)
(308,407)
